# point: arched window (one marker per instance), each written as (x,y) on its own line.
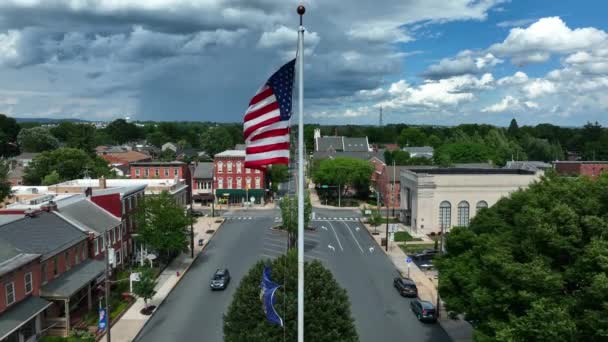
(481,205)
(463,214)
(445,215)
(220,167)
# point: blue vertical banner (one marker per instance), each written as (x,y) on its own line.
(267,296)
(103,319)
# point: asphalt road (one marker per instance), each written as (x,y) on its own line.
(193,313)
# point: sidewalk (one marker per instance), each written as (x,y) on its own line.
(458,330)
(129,325)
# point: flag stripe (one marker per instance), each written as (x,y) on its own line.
(277,125)
(267,148)
(262,94)
(262,118)
(263,103)
(267,141)
(267,155)
(259,112)
(263,162)
(271,133)
(261,125)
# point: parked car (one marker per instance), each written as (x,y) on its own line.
(424,310)
(220,280)
(425,254)
(197,213)
(406,287)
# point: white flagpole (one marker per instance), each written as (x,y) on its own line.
(301,189)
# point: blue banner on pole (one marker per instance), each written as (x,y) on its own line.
(103,319)
(268,290)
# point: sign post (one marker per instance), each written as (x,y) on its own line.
(408,260)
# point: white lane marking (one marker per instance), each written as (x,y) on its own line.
(280,245)
(269,256)
(331,247)
(336,235)
(353,234)
(323,227)
(371,249)
(357,228)
(273,250)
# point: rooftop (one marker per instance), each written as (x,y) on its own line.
(581,162)
(89,216)
(47,234)
(469,171)
(419,149)
(73,280)
(203,170)
(19,314)
(158,163)
(231,153)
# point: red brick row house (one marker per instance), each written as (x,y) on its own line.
(234,182)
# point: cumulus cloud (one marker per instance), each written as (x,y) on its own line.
(466,62)
(510,103)
(539,87)
(537,42)
(284,36)
(517,78)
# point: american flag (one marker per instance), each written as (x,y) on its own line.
(266,122)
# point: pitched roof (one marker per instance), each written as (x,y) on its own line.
(73,280)
(19,314)
(231,153)
(357,155)
(89,216)
(12,258)
(419,149)
(159,163)
(45,233)
(204,170)
(355,144)
(128,156)
(325,144)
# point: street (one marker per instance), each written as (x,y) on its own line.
(193,312)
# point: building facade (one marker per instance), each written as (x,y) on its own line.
(202,182)
(591,169)
(432,198)
(235,183)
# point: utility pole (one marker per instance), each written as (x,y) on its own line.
(393,187)
(437,308)
(191,225)
(108,273)
(212,196)
(386,246)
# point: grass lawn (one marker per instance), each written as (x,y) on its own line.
(411,249)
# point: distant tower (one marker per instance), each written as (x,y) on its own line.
(380,117)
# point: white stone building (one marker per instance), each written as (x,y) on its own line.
(431,196)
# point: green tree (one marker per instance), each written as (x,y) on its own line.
(278,173)
(289,216)
(216,139)
(412,136)
(157,139)
(75,135)
(513,130)
(463,152)
(144,288)
(68,163)
(9,129)
(5,185)
(51,178)
(122,131)
(533,267)
(327,314)
(36,139)
(163,225)
(345,172)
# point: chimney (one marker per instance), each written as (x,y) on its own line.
(102,182)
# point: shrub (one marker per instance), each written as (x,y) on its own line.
(403,236)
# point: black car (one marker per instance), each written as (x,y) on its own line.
(220,280)
(424,310)
(406,287)
(425,254)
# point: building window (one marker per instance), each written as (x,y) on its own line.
(156,172)
(28,283)
(166,172)
(239,183)
(176,171)
(119,230)
(238,167)
(137,172)
(43,270)
(481,205)
(257,171)
(229,183)
(220,183)
(10,293)
(445,215)
(103,242)
(113,235)
(220,167)
(257,183)
(66,256)
(118,256)
(248,182)
(247,170)
(85,252)
(55,266)
(77,256)
(146,172)
(463,214)
(229,167)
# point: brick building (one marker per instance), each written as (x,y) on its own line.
(233,182)
(163,170)
(581,168)
(202,182)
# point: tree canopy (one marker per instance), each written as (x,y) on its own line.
(327,315)
(289,216)
(162,224)
(534,267)
(67,163)
(9,129)
(36,139)
(278,173)
(343,172)
(5,185)
(122,131)
(144,288)
(77,135)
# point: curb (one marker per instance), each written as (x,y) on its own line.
(178,281)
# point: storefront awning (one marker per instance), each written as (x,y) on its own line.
(73,280)
(21,313)
(239,192)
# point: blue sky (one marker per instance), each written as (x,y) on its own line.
(422,61)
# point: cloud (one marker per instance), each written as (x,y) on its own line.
(283,36)
(537,42)
(539,87)
(466,62)
(510,103)
(379,34)
(517,78)
(516,23)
